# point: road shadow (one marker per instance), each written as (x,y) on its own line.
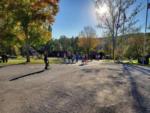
(8,65)
(141,69)
(95,71)
(83,64)
(22,76)
(113,69)
(138,98)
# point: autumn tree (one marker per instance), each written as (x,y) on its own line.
(9,42)
(117,17)
(88,40)
(34,18)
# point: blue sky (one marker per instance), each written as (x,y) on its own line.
(74,15)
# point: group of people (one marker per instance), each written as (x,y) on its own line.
(4,58)
(70,58)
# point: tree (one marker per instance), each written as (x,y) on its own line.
(65,43)
(88,40)
(74,44)
(39,36)
(134,48)
(31,14)
(9,42)
(113,19)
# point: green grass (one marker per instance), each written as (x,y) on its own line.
(134,62)
(107,61)
(130,61)
(21,60)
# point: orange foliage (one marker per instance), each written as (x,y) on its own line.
(43,3)
(40,5)
(88,43)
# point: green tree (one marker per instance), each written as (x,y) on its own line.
(74,44)
(65,43)
(32,15)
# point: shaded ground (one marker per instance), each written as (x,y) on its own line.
(94,88)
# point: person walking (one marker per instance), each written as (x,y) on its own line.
(4,58)
(83,59)
(65,58)
(72,58)
(69,57)
(77,57)
(46,60)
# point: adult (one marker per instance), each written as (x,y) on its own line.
(77,57)
(65,58)
(69,57)
(4,58)
(46,60)
(83,59)
(72,58)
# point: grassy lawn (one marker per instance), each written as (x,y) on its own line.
(134,62)
(130,61)
(107,61)
(21,60)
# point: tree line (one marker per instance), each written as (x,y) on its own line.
(127,46)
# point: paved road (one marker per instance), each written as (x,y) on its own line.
(94,88)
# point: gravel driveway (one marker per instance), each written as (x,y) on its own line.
(93,88)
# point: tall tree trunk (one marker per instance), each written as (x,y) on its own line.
(113,41)
(27,54)
(27,46)
(114,46)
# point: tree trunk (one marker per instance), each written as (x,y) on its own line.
(27,58)
(114,44)
(27,52)
(27,47)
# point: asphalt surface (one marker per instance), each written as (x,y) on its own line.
(93,88)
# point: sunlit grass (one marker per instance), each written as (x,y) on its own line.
(107,61)
(130,61)
(22,60)
(134,62)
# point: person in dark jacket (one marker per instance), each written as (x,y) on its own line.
(46,60)
(4,58)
